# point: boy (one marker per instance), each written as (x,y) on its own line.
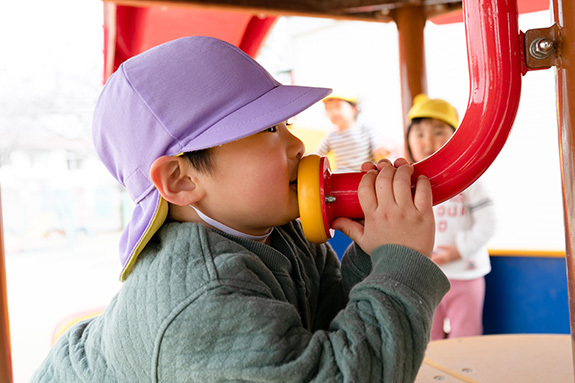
(352,142)
(464,224)
(219,281)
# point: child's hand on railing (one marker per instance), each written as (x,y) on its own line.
(393,215)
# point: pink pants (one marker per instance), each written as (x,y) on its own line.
(463,306)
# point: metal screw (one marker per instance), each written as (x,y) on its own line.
(330,199)
(541,48)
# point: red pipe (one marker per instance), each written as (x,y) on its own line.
(494,56)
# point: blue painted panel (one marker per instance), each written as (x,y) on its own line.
(526,295)
(340,242)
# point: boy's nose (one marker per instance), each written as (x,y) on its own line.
(296,147)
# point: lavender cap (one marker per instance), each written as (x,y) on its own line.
(188,94)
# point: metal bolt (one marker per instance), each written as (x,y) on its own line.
(330,199)
(541,48)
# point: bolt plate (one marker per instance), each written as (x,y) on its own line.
(552,34)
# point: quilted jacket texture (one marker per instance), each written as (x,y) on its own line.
(201,306)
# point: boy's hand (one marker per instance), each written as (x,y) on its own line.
(392,214)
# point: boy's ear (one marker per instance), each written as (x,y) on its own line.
(175,181)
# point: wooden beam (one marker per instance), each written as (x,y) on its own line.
(564,17)
(5,351)
(365,10)
(358,10)
(410,23)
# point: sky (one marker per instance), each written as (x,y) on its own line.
(51,66)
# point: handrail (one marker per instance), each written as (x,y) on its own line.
(494,56)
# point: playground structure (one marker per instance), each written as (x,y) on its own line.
(495,71)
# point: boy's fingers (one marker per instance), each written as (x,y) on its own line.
(384,184)
(349,227)
(400,162)
(402,185)
(423,198)
(383,162)
(365,193)
(367,166)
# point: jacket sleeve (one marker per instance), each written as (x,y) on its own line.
(234,330)
(355,266)
(333,288)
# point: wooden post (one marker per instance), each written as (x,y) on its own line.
(410,21)
(5,354)
(564,17)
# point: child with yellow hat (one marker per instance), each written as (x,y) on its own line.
(352,143)
(464,224)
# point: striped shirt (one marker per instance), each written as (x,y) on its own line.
(351,147)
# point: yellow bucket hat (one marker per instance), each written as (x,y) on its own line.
(425,107)
(343,95)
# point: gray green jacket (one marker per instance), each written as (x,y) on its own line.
(201,306)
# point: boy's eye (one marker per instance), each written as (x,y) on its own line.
(272,129)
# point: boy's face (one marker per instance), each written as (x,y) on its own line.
(341,113)
(253,183)
(427,136)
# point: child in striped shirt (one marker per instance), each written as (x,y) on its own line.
(352,143)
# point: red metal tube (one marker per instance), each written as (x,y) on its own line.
(343,188)
(494,55)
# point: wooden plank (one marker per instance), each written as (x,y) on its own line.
(501,359)
(367,10)
(564,17)
(5,352)
(526,253)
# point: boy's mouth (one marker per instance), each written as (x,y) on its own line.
(293,184)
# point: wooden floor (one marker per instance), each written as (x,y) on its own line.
(499,359)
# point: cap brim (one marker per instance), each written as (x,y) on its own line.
(275,106)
